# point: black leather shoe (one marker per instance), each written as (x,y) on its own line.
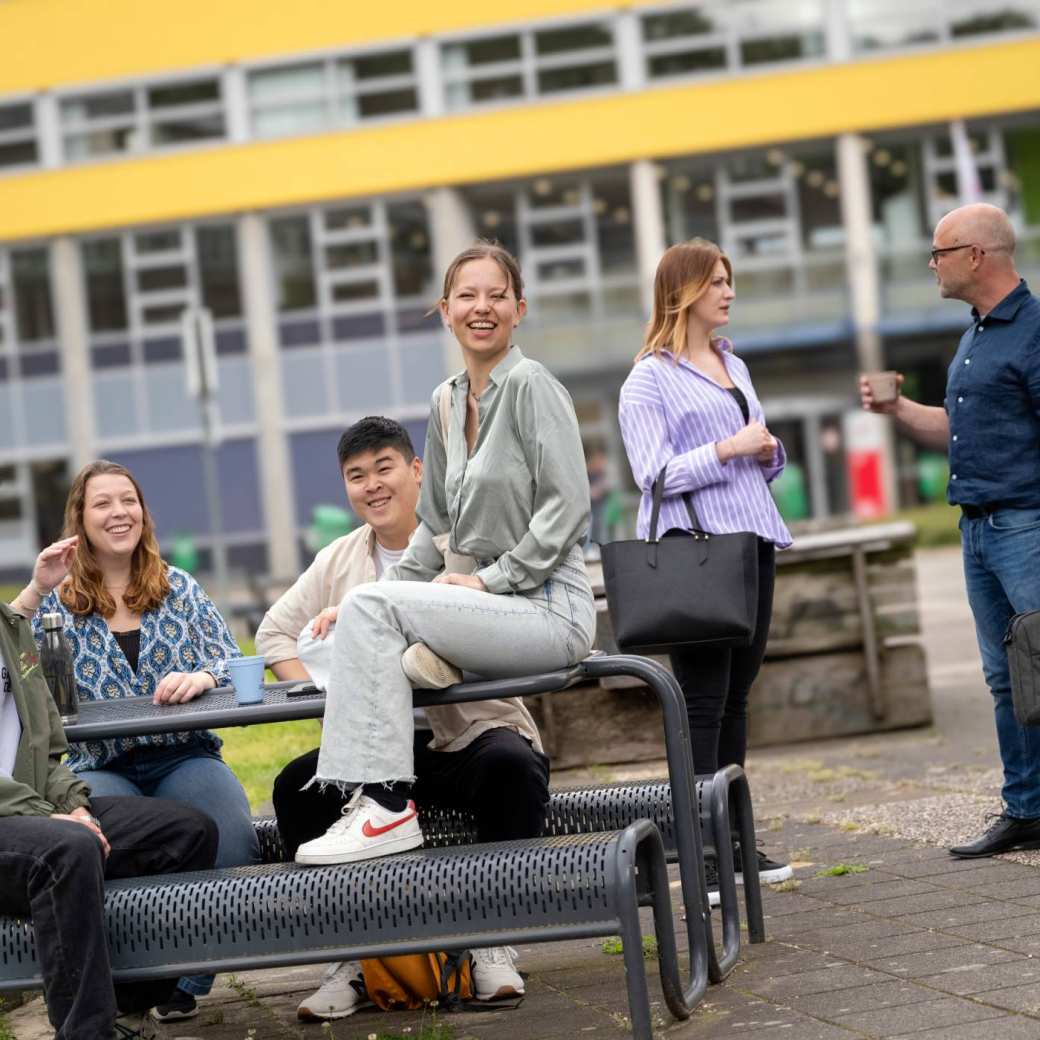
(1004,834)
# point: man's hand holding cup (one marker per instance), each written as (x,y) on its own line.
(879,391)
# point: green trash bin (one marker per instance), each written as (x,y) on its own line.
(184,553)
(790,494)
(933,474)
(327,524)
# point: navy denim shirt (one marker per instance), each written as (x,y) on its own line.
(993,402)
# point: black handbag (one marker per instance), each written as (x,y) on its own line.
(1023,654)
(694,589)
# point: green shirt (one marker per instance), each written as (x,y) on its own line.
(39,784)
(520,502)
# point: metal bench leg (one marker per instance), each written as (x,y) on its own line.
(730,786)
(728,904)
(684,808)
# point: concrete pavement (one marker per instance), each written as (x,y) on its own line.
(882,935)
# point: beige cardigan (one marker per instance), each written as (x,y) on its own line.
(339,567)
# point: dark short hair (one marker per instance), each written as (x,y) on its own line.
(372,433)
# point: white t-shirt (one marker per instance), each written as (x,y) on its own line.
(10,724)
(386,558)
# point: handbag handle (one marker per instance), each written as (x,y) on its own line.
(655,512)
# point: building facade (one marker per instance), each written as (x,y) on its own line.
(303,174)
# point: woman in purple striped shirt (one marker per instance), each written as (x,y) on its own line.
(689,403)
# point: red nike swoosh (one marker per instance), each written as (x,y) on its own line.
(373,832)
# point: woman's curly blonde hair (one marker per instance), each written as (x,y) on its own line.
(83,591)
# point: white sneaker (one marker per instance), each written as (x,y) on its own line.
(365,830)
(494,973)
(426,671)
(342,992)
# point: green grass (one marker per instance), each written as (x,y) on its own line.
(841,869)
(936,524)
(613,947)
(256,754)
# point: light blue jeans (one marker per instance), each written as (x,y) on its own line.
(199,778)
(367,736)
(1002,576)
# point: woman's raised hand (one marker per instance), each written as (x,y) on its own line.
(754,440)
(53,564)
(181,687)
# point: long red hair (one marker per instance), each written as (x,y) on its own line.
(83,591)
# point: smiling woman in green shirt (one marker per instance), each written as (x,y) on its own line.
(505,481)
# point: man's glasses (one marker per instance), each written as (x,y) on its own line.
(936,253)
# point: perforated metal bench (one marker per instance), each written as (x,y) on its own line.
(605,807)
(540,890)
(567,886)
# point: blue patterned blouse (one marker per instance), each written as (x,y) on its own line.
(185,634)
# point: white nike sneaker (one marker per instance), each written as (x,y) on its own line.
(342,992)
(426,671)
(494,973)
(364,831)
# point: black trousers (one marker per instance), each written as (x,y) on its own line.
(716,682)
(499,776)
(54,872)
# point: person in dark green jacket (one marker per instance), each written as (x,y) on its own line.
(58,846)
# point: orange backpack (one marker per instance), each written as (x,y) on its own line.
(417,980)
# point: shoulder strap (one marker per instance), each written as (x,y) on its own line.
(444,409)
(657,492)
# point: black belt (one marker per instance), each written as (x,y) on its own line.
(981,512)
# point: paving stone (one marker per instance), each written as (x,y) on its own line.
(1028,945)
(865,894)
(804,1029)
(904,1017)
(1015,888)
(840,975)
(866,928)
(934,900)
(820,887)
(989,977)
(932,962)
(1002,928)
(1025,999)
(937,865)
(1006,1028)
(991,872)
(780,904)
(860,998)
(792,924)
(967,913)
(854,949)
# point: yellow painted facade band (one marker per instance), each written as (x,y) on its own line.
(531,139)
(52,43)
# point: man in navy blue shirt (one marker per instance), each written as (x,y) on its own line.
(990,425)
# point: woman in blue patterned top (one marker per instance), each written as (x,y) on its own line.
(139,627)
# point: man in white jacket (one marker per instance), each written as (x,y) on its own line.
(485,756)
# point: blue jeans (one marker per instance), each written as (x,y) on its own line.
(196,777)
(1002,574)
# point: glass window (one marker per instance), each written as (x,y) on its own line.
(668,26)
(787,47)
(294,266)
(217,257)
(31,285)
(106,295)
(975,17)
(313,96)
(17,135)
(156,115)
(488,50)
(411,252)
(573,38)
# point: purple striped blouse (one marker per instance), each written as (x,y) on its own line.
(670,412)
